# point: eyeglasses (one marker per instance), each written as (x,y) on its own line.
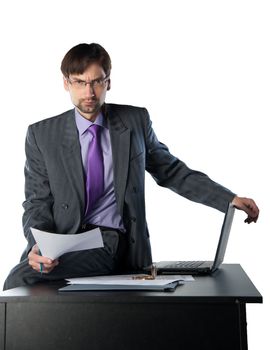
(95,84)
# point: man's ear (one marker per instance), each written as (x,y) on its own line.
(109,85)
(65,83)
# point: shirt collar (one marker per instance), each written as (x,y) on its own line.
(83,124)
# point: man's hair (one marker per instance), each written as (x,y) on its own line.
(81,56)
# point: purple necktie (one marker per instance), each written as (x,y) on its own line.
(95,169)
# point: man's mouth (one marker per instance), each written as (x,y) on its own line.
(89,103)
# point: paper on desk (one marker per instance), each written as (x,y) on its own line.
(53,245)
(161,280)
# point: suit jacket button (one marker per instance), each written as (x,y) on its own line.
(65,206)
(133,219)
(132,240)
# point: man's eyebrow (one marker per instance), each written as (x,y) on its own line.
(79,79)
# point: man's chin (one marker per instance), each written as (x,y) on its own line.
(88,109)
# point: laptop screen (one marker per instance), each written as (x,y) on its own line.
(224,236)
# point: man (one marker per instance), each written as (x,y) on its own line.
(85,169)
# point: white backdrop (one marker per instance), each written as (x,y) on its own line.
(202,70)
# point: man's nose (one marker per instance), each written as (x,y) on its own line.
(89,90)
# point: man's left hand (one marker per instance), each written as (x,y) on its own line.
(247,205)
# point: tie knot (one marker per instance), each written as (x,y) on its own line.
(95,129)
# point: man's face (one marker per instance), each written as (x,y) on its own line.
(88,90)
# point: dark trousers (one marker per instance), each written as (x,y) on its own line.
(93,262)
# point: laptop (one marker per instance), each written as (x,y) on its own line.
(202,267)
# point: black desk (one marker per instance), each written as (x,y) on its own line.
(209,313)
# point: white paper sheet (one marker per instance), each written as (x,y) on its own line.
(161,280)
(53,245)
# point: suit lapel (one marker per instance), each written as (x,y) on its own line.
(71,155)
(120,142)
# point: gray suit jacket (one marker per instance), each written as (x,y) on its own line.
(54,180)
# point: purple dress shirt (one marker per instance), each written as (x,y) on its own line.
(105,211)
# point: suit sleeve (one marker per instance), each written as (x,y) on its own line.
(168,171)
(38,197)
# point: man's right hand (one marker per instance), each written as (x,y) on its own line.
(34,260)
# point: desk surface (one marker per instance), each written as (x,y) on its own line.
(229,284)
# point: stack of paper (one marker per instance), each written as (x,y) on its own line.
(126,282)
(136,279)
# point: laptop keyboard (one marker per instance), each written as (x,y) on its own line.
(184,264)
